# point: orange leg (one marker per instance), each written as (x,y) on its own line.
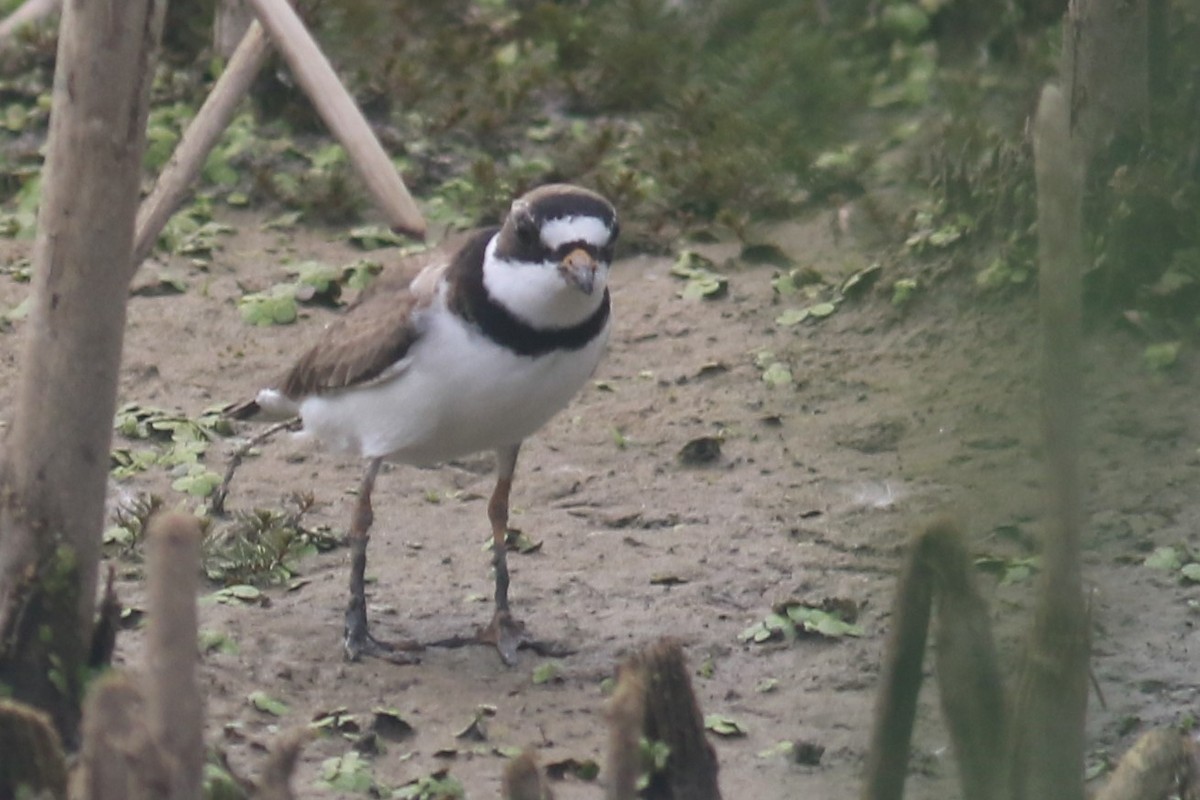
(505,632)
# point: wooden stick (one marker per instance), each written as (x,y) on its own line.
(119,760)
(900,679)
(174,706)
(968,673)
(275,781)
(52,515)
(33,754)
(216,505)
(1051,701)
(523,779)
(199,139)
(341,114)
(672,716)
(30,11)
(626,719)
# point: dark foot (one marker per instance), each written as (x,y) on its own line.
(359,642)
(508,636)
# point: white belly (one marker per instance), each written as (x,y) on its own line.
(459,394)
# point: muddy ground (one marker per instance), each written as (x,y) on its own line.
(894,417)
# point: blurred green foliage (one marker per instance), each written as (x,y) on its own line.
(676,110)
(692,114)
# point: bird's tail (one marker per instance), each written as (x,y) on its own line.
(269,405)
(248,409)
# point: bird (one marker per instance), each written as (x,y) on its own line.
(477,352)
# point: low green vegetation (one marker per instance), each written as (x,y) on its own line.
(699,120)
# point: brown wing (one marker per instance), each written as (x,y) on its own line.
(375,333)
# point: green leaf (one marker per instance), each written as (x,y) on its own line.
(997,275)
(316,281)
(620,439)
(821,622)
(546,673)
(777,374)
(705,286)
(218,784)
(238,593)
(360,273)
(211,641)
(438,786)
(783,284)
(274,307)
(793,316)
(18,312)
(766,685)
(267,704)
(722,725)
(199,483)
(1191,572)
(906,21)
(702,281)
(283,222)
(822,310)
(349,772)
(118,535)
(903,291)
(785,748)
(373,237)
(858,283)
(1162,356)
(1164,558)
(327,157)
(1011,570)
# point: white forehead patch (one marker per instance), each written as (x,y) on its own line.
(591,230)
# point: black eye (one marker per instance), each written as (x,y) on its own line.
(528,230)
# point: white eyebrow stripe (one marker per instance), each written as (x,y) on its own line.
(593,231)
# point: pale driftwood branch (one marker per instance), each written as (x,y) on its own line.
(1051,701)
(199,139)
(30,12)
(232,20)
(341,114)
(173,702)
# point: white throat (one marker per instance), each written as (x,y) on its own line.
(538,294)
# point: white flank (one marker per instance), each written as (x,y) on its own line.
(461,393)
(276,404)
(538,293)
(557,232)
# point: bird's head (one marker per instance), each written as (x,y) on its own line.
(554,251)
(567,226)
